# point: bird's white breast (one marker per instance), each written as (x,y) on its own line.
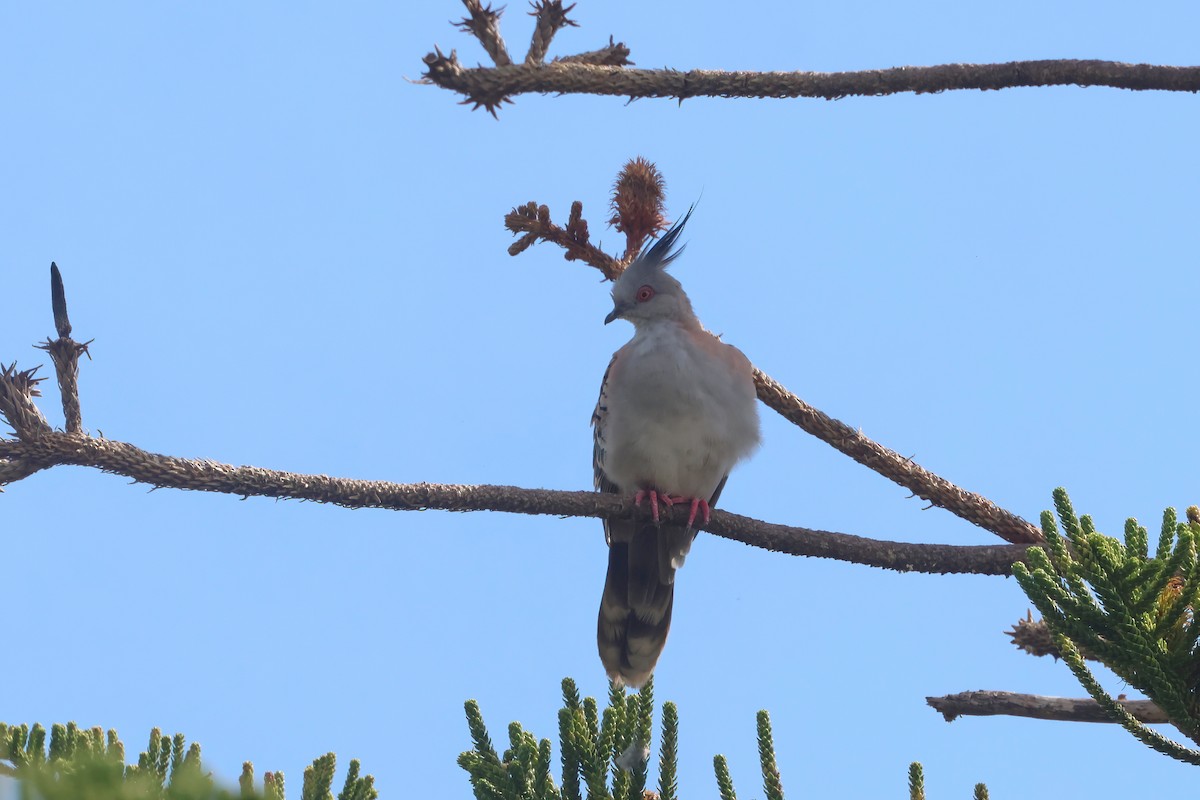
(681,412)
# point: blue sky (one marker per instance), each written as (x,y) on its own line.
(291,256)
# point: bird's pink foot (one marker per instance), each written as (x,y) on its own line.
(698,506)
(642,494)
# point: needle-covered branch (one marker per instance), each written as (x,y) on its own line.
(1013,704)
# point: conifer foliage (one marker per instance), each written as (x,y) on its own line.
(1115,603)
(604,755)
(90,763)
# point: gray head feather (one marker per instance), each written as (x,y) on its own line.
(647,276)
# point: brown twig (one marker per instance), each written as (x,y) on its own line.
(534,222)
(53,448)
(551,18)
(1013,704)
(490,86)
(65,352)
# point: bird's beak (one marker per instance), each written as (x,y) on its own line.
(616,313)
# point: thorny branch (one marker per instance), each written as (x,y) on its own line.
(487,87)
(605,72)
(551,17)
(1013,704)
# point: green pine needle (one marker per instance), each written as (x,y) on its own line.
(916,781)
(772,786)
(724,781)
(668,760)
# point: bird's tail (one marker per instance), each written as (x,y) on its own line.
(635,609)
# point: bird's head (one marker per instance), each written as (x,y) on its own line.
(644,292)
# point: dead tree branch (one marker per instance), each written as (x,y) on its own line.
(1013,704)
(489,86)
(120,458)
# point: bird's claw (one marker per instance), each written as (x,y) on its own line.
(642,494)
(699,506)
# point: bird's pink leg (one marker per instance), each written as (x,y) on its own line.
(698,506)
(642,494)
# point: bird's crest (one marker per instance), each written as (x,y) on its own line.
(659,255)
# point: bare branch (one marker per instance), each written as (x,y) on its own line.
(1012,704)
(202,475)
(972,507)
(489,86)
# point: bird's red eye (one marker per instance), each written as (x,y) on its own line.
(645,293)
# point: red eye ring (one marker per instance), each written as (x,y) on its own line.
(644,293)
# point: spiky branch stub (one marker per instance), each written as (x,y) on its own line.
(550,16)
(605,72)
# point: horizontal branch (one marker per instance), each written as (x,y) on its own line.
(202,475)
(1012,704)
(490,86)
